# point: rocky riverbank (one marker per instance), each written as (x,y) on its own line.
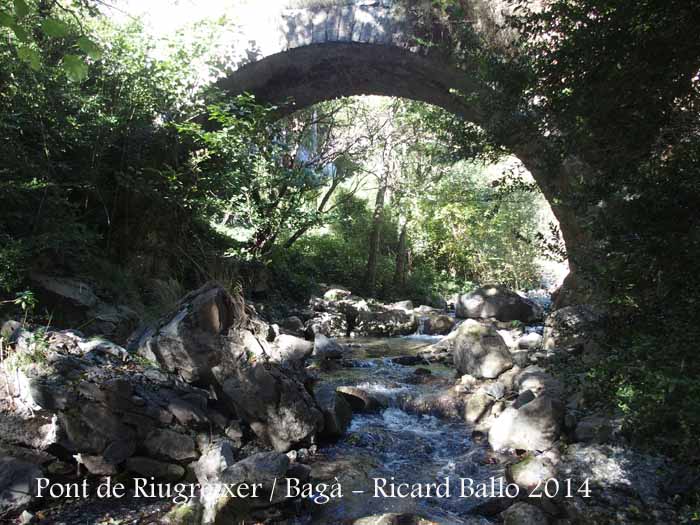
(213,394)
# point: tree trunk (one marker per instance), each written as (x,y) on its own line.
(401,256)
(375,235)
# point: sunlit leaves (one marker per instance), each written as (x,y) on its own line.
(30,56)
(75,67)
(89,47)
(54,28)
(21,8)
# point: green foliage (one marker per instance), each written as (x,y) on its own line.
(618,80)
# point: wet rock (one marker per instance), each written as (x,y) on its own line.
(277,407)
(534,426)
(480,351)
(593,429)
(531,472)
(408,360)
(498,302)
(337,412)
(288,349)
(18,485)
(148,467)
(387,323)
(359,400)
(524,514)
(477,405)
(438,325)
(326,348)
(170,444)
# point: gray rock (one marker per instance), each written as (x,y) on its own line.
(531,472)
(18,485)
(521,358)
(406,306)
(187,414)
(170,444)
(337,412)
(438,325)
(263,468)
(524,514)
(215,459)
(530,341)
(326,348)
(360,400)
(387,323)
(477,405)
(478,350)
(593,429)
(293,324)
(148,467)
(539,382)
(288,349)
(336,293)
(496,390)
(523,398)
(498,302)
(197,337)
(97,465)
(278,408)
(534,426)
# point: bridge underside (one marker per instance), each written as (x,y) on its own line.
(310,74)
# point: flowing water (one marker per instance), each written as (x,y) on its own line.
(405,440)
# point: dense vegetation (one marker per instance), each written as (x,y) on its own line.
(118,167)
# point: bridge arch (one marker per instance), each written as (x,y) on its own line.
(379,47)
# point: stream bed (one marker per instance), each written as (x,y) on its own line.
(405,441)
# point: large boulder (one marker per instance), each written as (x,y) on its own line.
(327,348)
(437,325)
(478,350)
(534,426)
(498,302)
(73,302)
(265,468)
(207,326)
(337,412)
(386,323)
(532,472)
(290,350)
(278,408)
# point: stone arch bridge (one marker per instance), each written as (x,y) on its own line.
(337,48)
